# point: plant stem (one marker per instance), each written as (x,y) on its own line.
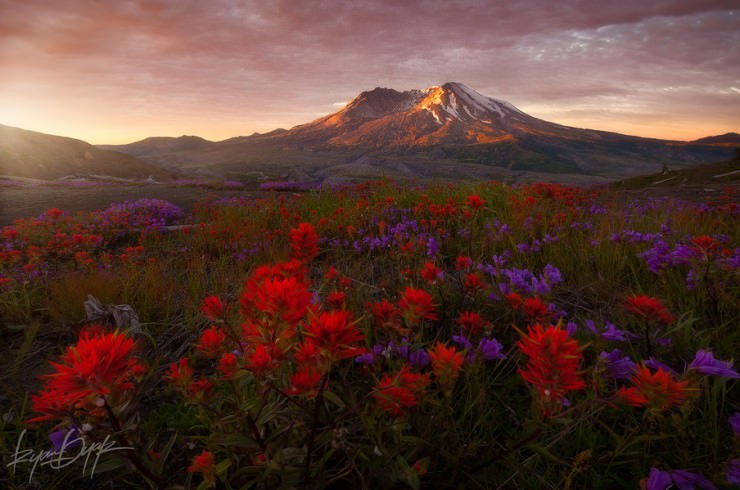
(132,456)
(314,428)
(503,452)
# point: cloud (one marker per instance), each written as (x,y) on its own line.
(256,63)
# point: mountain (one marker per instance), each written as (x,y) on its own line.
(42,156)
(449,131)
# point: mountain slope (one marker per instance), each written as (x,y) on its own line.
(449,131)
(42,156)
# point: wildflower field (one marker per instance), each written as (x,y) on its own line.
(375,336)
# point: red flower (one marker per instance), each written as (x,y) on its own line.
(305,381)
(100,365)
(472,323)
(260,360)
(304,241)
(285,299)
(204,463)
(212,308)
(430,272)
(228,365)
(307,353)
(657,390)
(515,301)
(553,362)
(446,363)
(386,315)
(212,342)
(536,309)
(394,394)
(475,201)
(650,309)
(335,335)
(705,245)
(416,305)
(463,262)
(332,273)
(336,299)
(473,283)
(180,374)
(200,389)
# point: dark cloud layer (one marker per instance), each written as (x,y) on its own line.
(116,71)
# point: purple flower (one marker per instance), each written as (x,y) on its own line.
(491,349)
(611,332)
(432,247)
(735,423)
(685,480)
(571,328)
(653,363)
(705,363)
(658,480)
(465,343)
(540,286)
(419,358)
(62,439)
(367,358)
(552,274)
(402,351)
(682,479)
(617,367)
(733,472)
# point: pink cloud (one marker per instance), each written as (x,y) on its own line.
(261,64)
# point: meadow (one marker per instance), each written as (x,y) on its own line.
(377,335)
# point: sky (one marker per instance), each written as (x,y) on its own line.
(119,71)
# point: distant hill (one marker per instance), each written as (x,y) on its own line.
(709,180)
(42,156)
(727,139)
(444,132)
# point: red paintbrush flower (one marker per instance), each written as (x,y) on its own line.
(463,262)
(475,201)
(657,390)
(536,309)
(554,360)
(514,301)
(285,299)
(430,272)
(228,365)
(180,374)
(305,381)
(472,323)
(386,315)
(705,245)
(335,335)
(100,366)
(304,241)
(204,463)
(650,309)
(212,308)
(473,283)
(446,363)
(212,342)
(416,305)
(336,300)
(261,359)
(395,393)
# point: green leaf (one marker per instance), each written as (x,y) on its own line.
(545,453)
(333,398)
